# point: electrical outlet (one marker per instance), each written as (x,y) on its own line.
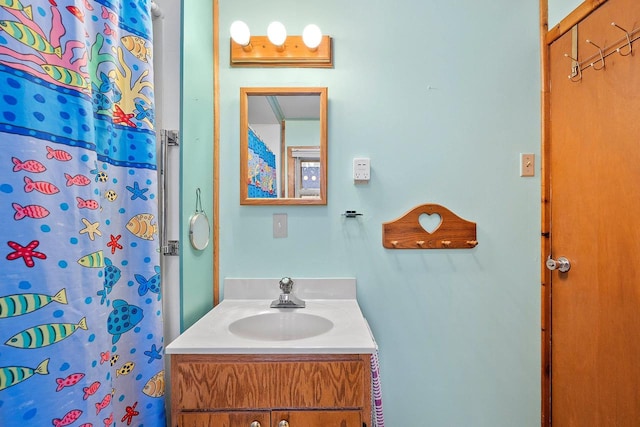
(361,169)
(527,164)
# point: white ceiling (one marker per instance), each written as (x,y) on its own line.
(293,107)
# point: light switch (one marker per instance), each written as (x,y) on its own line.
(279,225)
(527,164)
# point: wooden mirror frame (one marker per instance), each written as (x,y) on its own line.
(245,92)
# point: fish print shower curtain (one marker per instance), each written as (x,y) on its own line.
(81,339)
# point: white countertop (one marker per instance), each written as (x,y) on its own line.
(244,298)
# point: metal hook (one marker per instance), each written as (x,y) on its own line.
(592,65)
(576,71)
(626,33)
(198,201)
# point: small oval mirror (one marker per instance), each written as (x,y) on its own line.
(283,146)
(199,231)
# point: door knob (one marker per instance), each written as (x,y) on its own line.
(255,424)
(283,423)
(562,264)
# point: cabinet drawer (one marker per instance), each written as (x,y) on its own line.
(203,385)
(219,383)
(224,419)
(317,418)
(319,384)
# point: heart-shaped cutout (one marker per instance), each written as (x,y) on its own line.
(430,222)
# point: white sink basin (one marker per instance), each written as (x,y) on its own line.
(244,322)
(281,326)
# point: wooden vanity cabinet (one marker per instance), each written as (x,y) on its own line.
(304,390)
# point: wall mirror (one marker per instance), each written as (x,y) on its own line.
(283,146)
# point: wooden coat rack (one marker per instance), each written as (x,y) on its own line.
(452,232)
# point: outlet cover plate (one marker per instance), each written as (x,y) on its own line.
(361,169)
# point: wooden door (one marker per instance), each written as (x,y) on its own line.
(594,181)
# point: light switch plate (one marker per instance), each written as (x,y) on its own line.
(527,164)
(280,225)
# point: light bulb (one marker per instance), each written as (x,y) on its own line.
(312,36)
(277,33)
(240,33)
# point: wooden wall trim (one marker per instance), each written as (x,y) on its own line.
(572,19)
(545,242)
(216,156)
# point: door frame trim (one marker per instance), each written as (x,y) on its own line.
(545,241)
(547,37)
(216,155)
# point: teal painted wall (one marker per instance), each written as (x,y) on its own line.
(197,154)
(558,9)
(442,96)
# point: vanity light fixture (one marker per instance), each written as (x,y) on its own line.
(277,49)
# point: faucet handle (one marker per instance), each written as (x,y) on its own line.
(286,284)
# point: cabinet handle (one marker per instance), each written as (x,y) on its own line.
(283,423)
(255,424)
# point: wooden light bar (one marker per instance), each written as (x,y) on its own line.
(293,53)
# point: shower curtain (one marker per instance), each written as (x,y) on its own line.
(81,339)
(262,179)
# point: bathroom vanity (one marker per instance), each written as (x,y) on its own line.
(245,364)
(301,390)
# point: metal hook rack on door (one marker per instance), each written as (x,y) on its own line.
(623,46)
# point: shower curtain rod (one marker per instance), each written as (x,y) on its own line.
(156,12)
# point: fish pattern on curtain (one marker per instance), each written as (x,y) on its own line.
(81,340)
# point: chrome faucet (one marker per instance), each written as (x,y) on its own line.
(287,299)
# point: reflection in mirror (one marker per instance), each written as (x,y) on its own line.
(283,146)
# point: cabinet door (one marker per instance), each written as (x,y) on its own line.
(224,419)
(316,419)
